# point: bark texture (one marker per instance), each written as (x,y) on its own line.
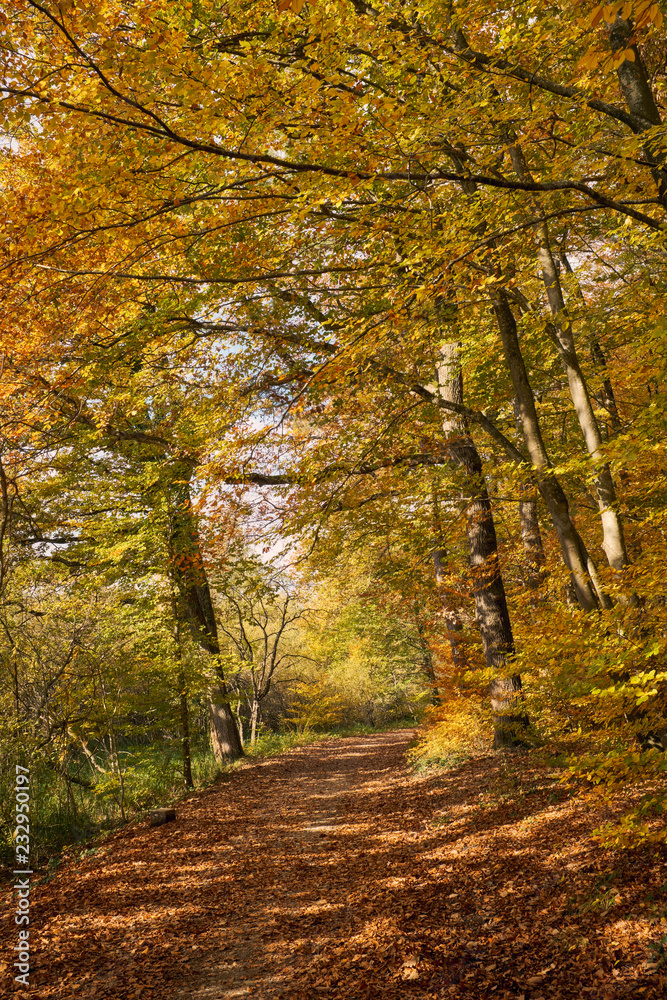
(488,588)
(572,546)
(195,608)
(636,90)
(531,536)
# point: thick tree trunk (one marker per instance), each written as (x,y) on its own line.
(196,609)
(488,589)
(225,739)
(574,551)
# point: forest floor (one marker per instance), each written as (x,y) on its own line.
(335,871)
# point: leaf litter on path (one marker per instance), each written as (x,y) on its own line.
(334,871)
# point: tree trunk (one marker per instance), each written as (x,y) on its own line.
(531,536)
(239,720)
(599,360)
(636,89)
(195,607)
(612,528)
(254,721)
(563,337)
(225,739)
(574,551)
(493,618)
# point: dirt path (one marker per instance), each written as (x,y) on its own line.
(332,871)
(310,851)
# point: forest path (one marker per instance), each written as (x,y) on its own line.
(311,850)
(334,871)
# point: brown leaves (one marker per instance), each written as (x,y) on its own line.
(323,873)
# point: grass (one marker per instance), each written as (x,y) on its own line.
(441,761)
(65,814)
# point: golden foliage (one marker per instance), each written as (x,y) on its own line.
(453,731)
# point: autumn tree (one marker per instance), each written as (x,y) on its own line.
(262,618)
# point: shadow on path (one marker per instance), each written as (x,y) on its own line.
(332,871)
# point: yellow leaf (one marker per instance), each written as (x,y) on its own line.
(595,16)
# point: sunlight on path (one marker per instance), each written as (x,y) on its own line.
(334,871)
(302,837)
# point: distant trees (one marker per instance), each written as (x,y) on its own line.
(261,617)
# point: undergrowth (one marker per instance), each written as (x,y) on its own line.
(605,766)
(454,731)
(71,805)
